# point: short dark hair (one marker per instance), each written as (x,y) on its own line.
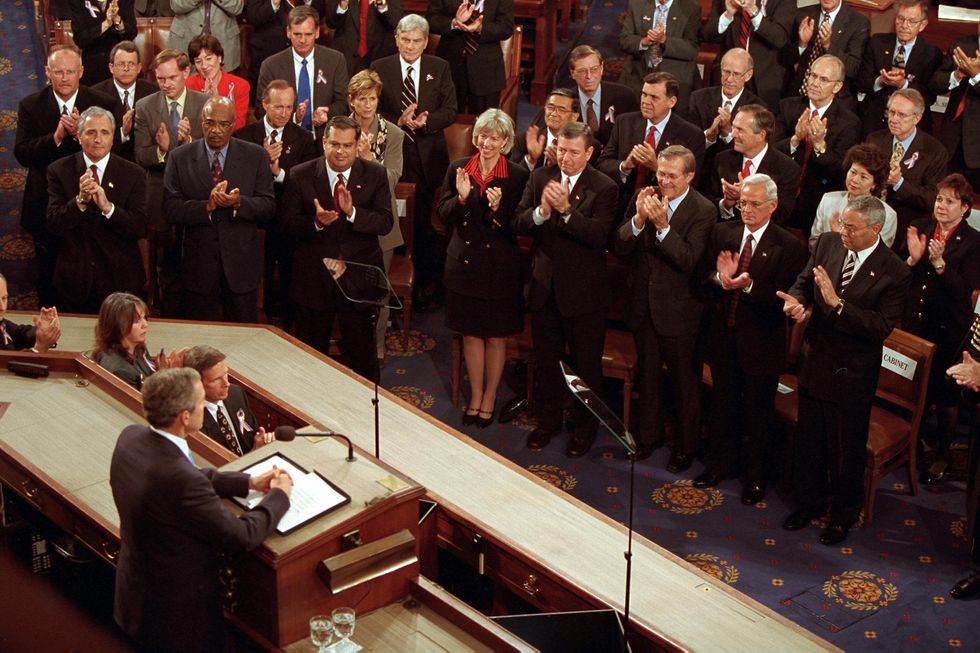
(207,42)
(202,357)
(575,129)
(870,157)
(302,13)
(581,52)
(960,187)
(344,123)
(669,81)
(762,118)
(569,93)
(169,54)
(124,46)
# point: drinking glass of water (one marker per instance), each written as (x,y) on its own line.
(321,631)
(343,624)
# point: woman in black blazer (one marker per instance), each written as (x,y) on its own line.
(483,262)
(944,255)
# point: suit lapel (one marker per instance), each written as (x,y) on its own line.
(582,189)
(675,19)
(867,275)
(764,250)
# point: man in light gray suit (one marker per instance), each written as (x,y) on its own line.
(216,17)
(160,127)
(317,73)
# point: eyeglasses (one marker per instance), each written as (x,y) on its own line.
(732,73)
(554,108)
(755,205)
(224,125)
(908,21)
(125,65)
(820,78)
(850,229)
(594,70)
(891,113)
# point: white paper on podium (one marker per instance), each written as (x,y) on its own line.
(312,495)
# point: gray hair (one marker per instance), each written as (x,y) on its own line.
(96,112)
(912,96)
(168,393)
(772,191)
(679,152)
(838,64)
(870,208)
(413,23)
(741,53)
(495,120)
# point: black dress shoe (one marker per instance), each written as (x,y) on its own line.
(483,422)
(539,438)
(799,519)
(707,479)
(834,533)
(932,478)
(643,451)
(469,419)
(512,409)
(579,445)
(679,463)
(753,493)
(967,589)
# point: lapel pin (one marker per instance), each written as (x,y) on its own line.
(358,187)
(872,273)
(110,185)
(765,254)
(646,18)
(429,77)
(288,150)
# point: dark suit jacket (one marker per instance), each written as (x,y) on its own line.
(663,284)
(142,89)
(760,326)
(765,46)
(329,82)
(356,241)
(842,353)
(569,258)
(702,110)
(236,401)
(94,43)
(227,241)
(34,147)
(782,169)
(824,172)
(173,526)
(269,31)
(966,129)
(921,65)
(347,31)
(437,95)
(298,145)
(484,69)
(98,256)
(483,259)
(631,129)
(679,52)
(519,151)
(914,199)
(621,100)
(847,42)
(21,336)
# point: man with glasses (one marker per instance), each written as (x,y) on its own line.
(827,27)
(898,61)
(218,189)
(856,287)
(753,258)
(600,103)
(816,130)
(918,162)
(537,147)
(128,86)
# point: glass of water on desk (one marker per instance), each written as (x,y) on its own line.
(343,624)
(321,631)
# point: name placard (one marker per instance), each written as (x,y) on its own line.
(897,363)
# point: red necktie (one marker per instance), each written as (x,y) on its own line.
(215,169)
(95,172)
(362,45)
(341,183)
(744,259)
(744,29)
(591,118)
(642,172)
(961,106)
(746,168)
(272,136)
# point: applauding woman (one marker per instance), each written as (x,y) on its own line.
(208,56)
(483,262)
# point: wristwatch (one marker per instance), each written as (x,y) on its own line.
(839,307)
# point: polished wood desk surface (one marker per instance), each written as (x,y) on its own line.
(672,598)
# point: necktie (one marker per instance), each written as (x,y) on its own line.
(746,168)
(961,105)
(899,61)
(728,106)
(206,29)
(341,183)
(272,136)
(744,259)
(7,340)
(95,172)
(471,41)
(815,52)
(64,109)
(174,119)
(744,29)
(230,438)
(897,152)
(362,43)
(215,170)
(409,97)
(591,117)
(655,53)
(847,273)
(642,172)
(807,150)
(126,106)
(303,94)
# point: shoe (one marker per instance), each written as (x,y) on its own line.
(539,438)
(679,463)
(579,445)
(930,477)
(512,409)
(834,533)
(967,589)
(643,451)
(469,418)
(707,479)
(753,493)
(483,422)
(799,519)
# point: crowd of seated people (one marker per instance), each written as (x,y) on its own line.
(810,135)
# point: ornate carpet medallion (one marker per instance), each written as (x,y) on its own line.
(684,499)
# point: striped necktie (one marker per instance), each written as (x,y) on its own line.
(409,97)
(848,272)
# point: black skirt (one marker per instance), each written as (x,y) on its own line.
(484,318)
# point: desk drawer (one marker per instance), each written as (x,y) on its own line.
(38,495)
(103,543)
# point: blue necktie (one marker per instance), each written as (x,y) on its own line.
(304,94)
(174,119)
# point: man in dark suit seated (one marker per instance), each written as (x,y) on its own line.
(286,144)
(336,207)
(127,84)
(753,259)
(47,128)
(537,147)
(97,206)
(228,420)
(173,524)
(569,210)
(39,336)
(600,103)
(960,77)
(896,61)
(630,156)
(816,131)
(856,286)
(219,189)
(752,129)
(666,236)
(918,162)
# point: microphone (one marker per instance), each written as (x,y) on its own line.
(288,434)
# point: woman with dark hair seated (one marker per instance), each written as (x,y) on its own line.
(207,55)
(120,341)
(867,172)
(944,254)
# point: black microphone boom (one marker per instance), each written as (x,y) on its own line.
(289,433)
